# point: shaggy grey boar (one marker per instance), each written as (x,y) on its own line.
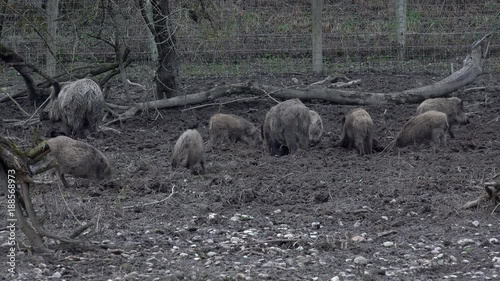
(316,127)
(229,127)
(286,127)
(453,107)
(188,151)
(78,159)
(357,131)
(428,127)
(79,105)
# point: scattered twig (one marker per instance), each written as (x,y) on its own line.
(220,103)
(154,202)
(386,233)
(474,89)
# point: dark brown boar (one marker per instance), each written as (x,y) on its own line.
(286,127)
(316,128)
(78,159)
(429,127)
(229,127)
(357,131)
(188,151)
(79,105)
(453,107)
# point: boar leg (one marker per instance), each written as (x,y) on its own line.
(63,180)
(452,135)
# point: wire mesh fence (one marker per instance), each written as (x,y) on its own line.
(232,38)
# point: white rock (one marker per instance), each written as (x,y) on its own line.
(465,261)
(56,275)
(211,254)
(475,223)
(360,260)
(388,244)
(385,218)
(493,240)
(295,80)
(335,278)
(37,271)
(465,241)
(183,254)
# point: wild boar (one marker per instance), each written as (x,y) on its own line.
(428,127)
(79,105)
(316,128)
(78,159)
(229,127)
(357,131)
(286,127)
(188,151)
(453,107)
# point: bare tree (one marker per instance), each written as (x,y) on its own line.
(168,58)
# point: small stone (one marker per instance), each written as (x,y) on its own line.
(384,218)
(228,178)
(37,271)
(211,254)
(360,260)
(56,275)
(388,244)
(196,238)
(277,211)
(357,238)
(295,80)
(183,254)
(453,259)
(493,240)
(335,278)
(465,241)
(465,261)
(316,225)
(475,223)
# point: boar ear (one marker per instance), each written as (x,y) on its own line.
(57,88)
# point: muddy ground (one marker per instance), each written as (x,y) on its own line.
(257,217)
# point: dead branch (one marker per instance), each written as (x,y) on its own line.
(492,194)
(470,70)
(154,202)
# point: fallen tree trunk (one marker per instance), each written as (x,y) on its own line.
(471,69)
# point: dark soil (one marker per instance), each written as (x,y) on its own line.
(297,217)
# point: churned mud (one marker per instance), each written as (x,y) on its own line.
(298,217)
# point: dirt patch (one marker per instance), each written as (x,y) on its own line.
(297,217)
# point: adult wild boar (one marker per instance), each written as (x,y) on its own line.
(188,151)
(357,131)
(429,127)
(79,105)
(78,159)
(286,127)
(453,107)
(229,127)
(316,128)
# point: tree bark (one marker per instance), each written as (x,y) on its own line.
(10,57)
(166,78)
(52,12)
(3,8)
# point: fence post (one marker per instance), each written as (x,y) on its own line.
(317,37)
(401,29)
(50,59)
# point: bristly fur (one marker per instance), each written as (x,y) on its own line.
(357,131)
(188,150)
(232,128)
(79,105)
(79,159)
(286,127)
(428,127)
